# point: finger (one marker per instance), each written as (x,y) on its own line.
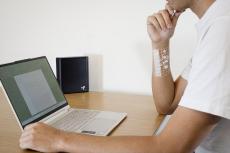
(24,145)
(30,126)
(29,137)
(28,134)
(167,18)
(27,144)
(27,141)
(25,135)
(153,21)
(169,9)
(161,21)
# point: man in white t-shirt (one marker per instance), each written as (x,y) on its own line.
(204,85)
(199,99)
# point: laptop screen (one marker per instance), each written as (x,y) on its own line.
(32,89)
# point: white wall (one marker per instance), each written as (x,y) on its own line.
(112,32)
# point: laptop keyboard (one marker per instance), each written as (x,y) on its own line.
(74,120)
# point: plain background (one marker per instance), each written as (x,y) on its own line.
(111,32)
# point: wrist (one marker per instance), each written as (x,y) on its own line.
(62,141)
(161,62)
(160,45)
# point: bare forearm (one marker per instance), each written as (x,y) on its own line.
(161,28)
(162,81)
(163,92)
(91,144)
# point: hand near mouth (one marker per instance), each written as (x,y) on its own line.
(172,11)
(161,26)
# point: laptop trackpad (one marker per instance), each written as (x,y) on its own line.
(98,126)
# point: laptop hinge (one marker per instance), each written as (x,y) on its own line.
(55,115)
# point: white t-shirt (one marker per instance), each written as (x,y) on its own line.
(208,75)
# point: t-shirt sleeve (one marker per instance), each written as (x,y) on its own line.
(208,88)
(186,71)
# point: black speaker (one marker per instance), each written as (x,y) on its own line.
(73,74)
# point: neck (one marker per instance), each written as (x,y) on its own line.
(199,7)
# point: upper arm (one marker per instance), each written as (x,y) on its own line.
(185,130)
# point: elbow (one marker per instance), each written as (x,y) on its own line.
(164,106)
(163,110)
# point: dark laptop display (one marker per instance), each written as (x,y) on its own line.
(32,89)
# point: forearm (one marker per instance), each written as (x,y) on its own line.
(163,87)
(163,93)
(92,144)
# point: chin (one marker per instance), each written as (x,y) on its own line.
(172,6)
(176,7)
(179,9)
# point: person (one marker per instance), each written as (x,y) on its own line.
(199,99)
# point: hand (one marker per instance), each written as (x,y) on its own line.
(41,137)
(161,27)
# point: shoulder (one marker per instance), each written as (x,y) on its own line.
(217,36)
(220,26)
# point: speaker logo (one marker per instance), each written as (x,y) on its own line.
(83,88)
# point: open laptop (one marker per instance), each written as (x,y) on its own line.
(34,95)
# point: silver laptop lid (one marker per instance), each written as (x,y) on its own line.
(32,89)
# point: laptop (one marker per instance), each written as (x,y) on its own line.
(35,96)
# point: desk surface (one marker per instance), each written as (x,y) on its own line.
(142,117)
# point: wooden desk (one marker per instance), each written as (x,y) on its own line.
(142,117)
